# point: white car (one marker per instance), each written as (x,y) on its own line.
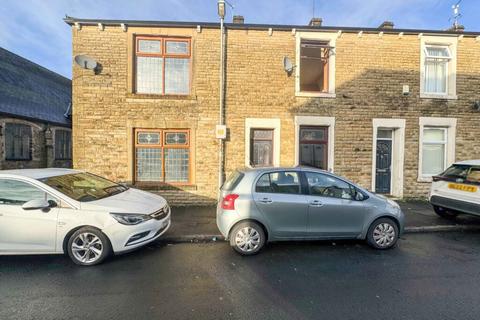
(457,190)
(56,211)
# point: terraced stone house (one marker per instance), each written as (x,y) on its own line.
(388,108)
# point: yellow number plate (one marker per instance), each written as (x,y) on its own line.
(462,187)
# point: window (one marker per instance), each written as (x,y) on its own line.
(314,59)
(279,182)
(261,147)
(13,192)
(84,187)
(327,186)
(434,150)
(18,140)
(162,65)
(314,147)
(162,156)
(436,69)
(63,144)
(474,175)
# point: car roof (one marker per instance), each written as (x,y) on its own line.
(38,173)
(269,169)
(469,162)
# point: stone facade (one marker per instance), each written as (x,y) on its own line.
(42,147)
(370,71)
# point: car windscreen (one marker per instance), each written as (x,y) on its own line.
(456,171)
(84,187)
(233,181)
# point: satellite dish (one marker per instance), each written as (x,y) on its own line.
(86,62)
(287,65)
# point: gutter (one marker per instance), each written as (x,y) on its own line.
(278,27)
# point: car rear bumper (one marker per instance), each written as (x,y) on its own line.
(459,205)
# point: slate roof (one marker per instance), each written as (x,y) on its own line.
(33,92)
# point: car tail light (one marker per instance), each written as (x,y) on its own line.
(228,202)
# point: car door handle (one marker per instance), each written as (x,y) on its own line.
(265,200)
(316,203)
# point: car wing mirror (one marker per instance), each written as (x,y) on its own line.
(36,204)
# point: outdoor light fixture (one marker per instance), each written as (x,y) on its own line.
(221,8)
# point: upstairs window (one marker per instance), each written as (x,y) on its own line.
(314,66)
(18,141)
(437,59)
(63,144)
(163,65)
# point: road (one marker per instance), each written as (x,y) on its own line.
(428,276)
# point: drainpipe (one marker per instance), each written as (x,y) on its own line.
(221,12)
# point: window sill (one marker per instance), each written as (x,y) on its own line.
(152,186)
(147,96)
(316,94)
(425,179)
(438,96)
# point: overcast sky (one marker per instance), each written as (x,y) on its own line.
(34,28)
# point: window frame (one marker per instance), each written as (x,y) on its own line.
(164,55)
(252,142)
(444,143)
(30,147)
(324,45)
(162,146)
(324,142)
(55,145)
(449,43)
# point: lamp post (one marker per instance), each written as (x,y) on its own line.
(221,13)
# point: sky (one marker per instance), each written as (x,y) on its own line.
(35,30)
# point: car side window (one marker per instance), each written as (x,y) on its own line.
(327,186)
(13,192)
(279,182)
(474,175)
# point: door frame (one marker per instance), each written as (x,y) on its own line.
(313,121)
(398,153)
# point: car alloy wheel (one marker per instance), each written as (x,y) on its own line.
(247,239)
(87,248)
(384,234)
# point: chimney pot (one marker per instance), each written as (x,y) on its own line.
(238,19)
(386,25)
(315,22)
(457,28)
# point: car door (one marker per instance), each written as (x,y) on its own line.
(25,231)
(332,208)
(278,195)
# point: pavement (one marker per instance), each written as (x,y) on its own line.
(427,276)
(197,224)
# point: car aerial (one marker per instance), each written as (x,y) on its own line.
(273,204)
(456,190)
(57,211)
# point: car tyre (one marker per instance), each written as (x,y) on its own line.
(88,246)
(444,212)
(383,234)
(247,238)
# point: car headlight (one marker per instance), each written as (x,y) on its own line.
(130,218)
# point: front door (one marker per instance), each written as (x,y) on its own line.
(25,231)
(314,147)
(383,173)
(333,211)
(278,196)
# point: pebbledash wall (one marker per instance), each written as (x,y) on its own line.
(367,74)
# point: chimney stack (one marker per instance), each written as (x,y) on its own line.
(457,28)
(386,25)
(238,20)
(315,22)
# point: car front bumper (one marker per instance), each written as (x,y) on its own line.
(126,238)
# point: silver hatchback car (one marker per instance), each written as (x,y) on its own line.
(302,203)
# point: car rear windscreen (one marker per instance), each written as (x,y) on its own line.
(233,181)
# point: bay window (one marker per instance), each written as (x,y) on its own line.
(162,65)
(162,156)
